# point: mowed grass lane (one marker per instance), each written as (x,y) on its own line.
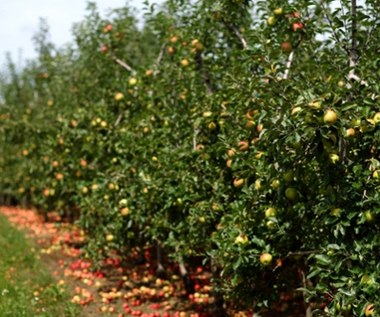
(27,289)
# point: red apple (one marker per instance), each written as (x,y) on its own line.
(286,47)
(297,26)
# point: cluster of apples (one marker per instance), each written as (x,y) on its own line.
(295,23)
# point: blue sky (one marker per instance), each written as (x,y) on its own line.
(19,21)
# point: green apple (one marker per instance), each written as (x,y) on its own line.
(241,239)
(334,158)
(266,259)
(123,202)
(369,217)
(330,117)
(288,176)
(316,104)
(271,21)
(258,185)
(376,117)
(366,279)
(275,184)
(132,81)
(336,212)
(341,84)
(270,212)
(292,194)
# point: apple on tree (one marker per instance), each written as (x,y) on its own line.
(270,212)
(271,21)
(350,132)
(278,11)
(241,239)
(376,118)
(330,117)
(292,194)
(369,310)
(286,47)
(297,26)
(238,182)
(266,259)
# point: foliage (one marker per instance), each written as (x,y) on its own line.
(221,129)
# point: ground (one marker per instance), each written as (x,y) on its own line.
(119,288)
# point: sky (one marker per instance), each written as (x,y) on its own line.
(19,21)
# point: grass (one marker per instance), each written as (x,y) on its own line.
(26,288)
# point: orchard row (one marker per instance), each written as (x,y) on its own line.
(241,134)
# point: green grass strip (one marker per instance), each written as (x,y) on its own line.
(26,288)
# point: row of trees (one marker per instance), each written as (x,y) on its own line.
(241,132)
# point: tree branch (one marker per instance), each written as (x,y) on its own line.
(240,36)
(160,55)
(353,52)
(288,65)
(118,119)
(354,46)
(234,30)
(335,35)
(124,65)
(370,31)
(205,75)
(195,134)
(308,307)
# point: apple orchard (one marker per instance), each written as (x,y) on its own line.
(244,134)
